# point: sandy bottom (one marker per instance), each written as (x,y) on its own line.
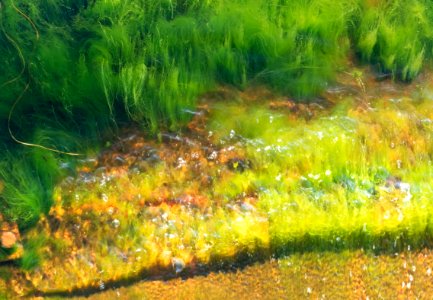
(345,275)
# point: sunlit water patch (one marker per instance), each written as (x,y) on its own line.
(311,275)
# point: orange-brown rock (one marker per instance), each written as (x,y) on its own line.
(8,239)
(9,234)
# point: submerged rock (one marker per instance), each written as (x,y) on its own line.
(9,234)
(178,264)
(247,207)
(119,161)
(8,239)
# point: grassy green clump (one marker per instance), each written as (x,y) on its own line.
(25,197)
(150,60)
(312,44)
(395,35)
(31,257)
(28,176)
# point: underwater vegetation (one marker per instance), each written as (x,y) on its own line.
(396,36)
(74,71)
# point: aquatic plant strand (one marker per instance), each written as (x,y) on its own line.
(12,41)
(31,144)
(28,19)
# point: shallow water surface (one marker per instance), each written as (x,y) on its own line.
(254,178)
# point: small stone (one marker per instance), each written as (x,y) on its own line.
(119,161)
(116,223)
(178,264)
(246,207)
(8,239)
(153,158)
(104,198)
(213,155)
